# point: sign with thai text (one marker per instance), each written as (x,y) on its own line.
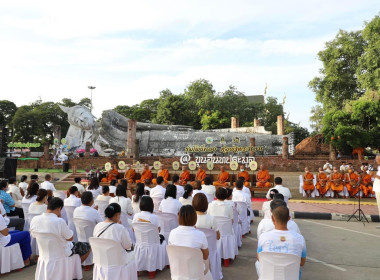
(224,149)
(24,145)
(186,158)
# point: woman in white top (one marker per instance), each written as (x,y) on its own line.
(23,185)
(113,187)
(187,198)
(31,192)
(111,228)
(186,234)
(266,205)
(198,188)
(106,194)
(228,200)
(219,207)
(209,188)
(40,205)
(140,191)
(122,199)
(170,204)
(94,187)
(146,212)
(204,220)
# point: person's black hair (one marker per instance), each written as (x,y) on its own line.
(272,193)
(34,177)
(106,189)
(278,180)
(159,180)
(113,182)
(239,184)
(221,193)
(229,192)
(11,180)
(94,184)
(241,178)
(124,183)
(41,194)
(77,179)
(121,191)
(23,178)
(55,203)
(140,191)
(47,177)
(281,214)
(208,181)
(188,189)
(73,189)
(276,203)
(175,178)
(112,210)
(86,197)
(171,191)
(279,196)
(146,204)
(3,184)
(32,189)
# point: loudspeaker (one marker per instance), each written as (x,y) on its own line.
(3,141)
(8,167)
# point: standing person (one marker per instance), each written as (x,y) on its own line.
(78,184)
(40,206)
(73,199)
(8,202)
(376,184)
(14,191)
(180,189)
(281,189)
(47,185)
(328,168)
(158,191)
(23,185)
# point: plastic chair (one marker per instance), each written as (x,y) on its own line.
(187,263)
(69,213)
(168,221)
(11,258)
(110,262)
(85,230)
(33,241)
(227,246)
(102,205)
(52,261)
(59,194)
(279,266)
(237,228)
(242,210)
(25,207)
(150,255)
(214,257)
(156,202)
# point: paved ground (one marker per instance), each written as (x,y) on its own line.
(336,250)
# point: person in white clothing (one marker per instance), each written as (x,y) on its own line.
(140,191)
(47,185)
(198,188)
(112,187)
(281,189)
(187,198)
(86,211)
(105,196)
(14,191)
(111,228)
(40,206)
(147,184)
(245,189)
(170,204)
(186,234)
(209,188)
(23,185)
(327,167)
(158,191)
(180,189)
(122,199)
(78,184)
(376,184)
(239,195)
(146,212)
(94,187)
(266,205)
(73,199)
(219,207)
(204,220)
(266,224)
(31,193)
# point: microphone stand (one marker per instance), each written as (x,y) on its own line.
(359,210)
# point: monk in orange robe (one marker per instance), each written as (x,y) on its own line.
(322,185)
(308,185)
(164,173)
(130,174)
(112,174)
(243,175)
(200,176)
(263,177)
(222,178)
(336,182)
(185,176)
(366,183)
(352,182)
(145,175)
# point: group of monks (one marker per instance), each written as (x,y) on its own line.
(346,183)
(223,180)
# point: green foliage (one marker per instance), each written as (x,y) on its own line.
(144,112)
(299,132)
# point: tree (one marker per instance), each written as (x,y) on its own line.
(172,109)
(316,118)
(144,112)
(271,110)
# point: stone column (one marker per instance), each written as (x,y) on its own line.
(280,125)
(88,148)
(285,148)
(256,122)
(332,152)
(252,143)
(46,150)
(131,139)
(234,122)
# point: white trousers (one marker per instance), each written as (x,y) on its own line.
(378,200)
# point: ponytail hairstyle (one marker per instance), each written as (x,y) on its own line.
(140,191)
(112,210)
(272,193)
(188,190)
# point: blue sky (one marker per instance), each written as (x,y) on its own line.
(131,50)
